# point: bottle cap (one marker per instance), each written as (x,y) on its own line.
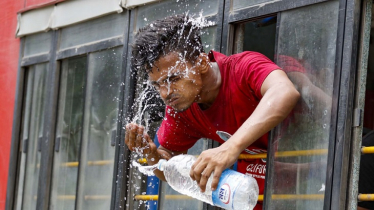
(161,165)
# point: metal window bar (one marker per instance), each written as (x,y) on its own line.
(260,197)
(86,197)
(364,150)
(361,197)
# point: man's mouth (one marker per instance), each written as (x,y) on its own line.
(172,101)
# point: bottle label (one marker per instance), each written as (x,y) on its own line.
(224,193)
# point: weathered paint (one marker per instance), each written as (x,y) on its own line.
(36,3)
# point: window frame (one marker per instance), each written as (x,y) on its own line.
(359,103)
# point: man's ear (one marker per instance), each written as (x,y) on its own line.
(203,63)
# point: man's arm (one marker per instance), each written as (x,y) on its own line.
(279,97)
(139,141)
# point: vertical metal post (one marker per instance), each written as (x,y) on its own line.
(122,155)
(47,146)
(359,104)
(339,159)
(227,30)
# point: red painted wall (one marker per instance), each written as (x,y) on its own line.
(30,3)
(8,75)
(9,52)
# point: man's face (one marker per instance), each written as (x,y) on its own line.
(177,80)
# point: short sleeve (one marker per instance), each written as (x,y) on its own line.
(175,133)
(251,69)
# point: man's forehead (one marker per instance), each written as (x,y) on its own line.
(168,63)
(170,60)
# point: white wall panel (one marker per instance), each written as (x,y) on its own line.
(35,21)
(70,12)
(128,4)
(64,14)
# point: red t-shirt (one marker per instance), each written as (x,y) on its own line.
(240,92)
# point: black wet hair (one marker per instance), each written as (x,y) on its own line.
(176,33)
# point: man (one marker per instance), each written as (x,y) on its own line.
(244,94)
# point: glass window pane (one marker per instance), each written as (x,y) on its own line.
(69,133)
(240,4)
(149,13)
(32,134)
(258,36)
(100,129)
(37,44)
(306,51)
(94,30)
(208,38)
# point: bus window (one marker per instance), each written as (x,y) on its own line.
(86,130)
(297,163)
(32,135)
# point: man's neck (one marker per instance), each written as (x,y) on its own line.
(211,86)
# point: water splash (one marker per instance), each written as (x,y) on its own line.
(146,170)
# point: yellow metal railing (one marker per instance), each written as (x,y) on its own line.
(297,197)
(367,150)
(86,197)
(361,197)
(365,197)
(260,197)
(155,197)
(277,154)
(364,150)
(89,163)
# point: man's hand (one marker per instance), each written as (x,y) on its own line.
(212,161)
(139,141)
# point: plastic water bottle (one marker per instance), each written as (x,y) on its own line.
(235,191)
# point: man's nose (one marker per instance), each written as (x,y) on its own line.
(164,92)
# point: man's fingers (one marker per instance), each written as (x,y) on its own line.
(216,175)
(196,170)
(149,146)
(192,174)
(204,178)
(139,137)
(132,135)
(129,137)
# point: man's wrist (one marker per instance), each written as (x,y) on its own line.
(233,147)
(153,157)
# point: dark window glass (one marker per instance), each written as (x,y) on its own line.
(32,136)
(69,132)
